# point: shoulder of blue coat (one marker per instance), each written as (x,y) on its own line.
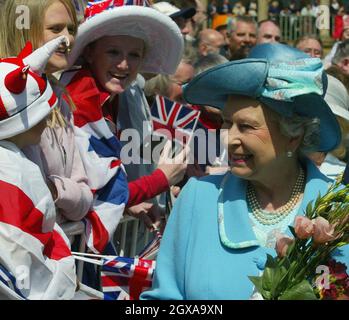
(213,181)
(313,172)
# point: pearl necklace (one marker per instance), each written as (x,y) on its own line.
(271,218)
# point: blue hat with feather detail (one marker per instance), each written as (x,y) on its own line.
(283,78)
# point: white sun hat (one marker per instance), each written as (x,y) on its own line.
(337,97)
(162,37)
(26,96)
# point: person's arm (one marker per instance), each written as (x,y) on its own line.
(74,196)
(169,172)
(147,187)
(169,277)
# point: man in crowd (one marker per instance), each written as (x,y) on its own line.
(210,41)
(182,17)
(268,32)
(311,45)
(341,57)
(243,37)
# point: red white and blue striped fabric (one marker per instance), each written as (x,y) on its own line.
(106,177)
(31,243)
(152,248)
(95,7)
(126,278)
(100,151)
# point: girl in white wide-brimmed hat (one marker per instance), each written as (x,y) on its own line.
(113,45)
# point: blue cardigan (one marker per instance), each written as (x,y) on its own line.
(194,264)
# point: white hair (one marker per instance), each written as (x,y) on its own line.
(297,126)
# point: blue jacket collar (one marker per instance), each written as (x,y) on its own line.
(236,218)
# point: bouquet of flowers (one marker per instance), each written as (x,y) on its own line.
(294,273)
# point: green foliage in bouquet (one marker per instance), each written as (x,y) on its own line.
(292,274)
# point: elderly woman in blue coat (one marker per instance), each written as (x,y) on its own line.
(222,226)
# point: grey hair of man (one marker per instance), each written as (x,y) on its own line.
(232,24)
(209,61)
(342,52)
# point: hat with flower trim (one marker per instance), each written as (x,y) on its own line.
(283,78)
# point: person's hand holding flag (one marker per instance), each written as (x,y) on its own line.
(175,167)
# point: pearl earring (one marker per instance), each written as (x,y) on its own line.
(289,154)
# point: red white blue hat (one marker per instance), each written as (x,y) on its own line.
(26,96)
(162,37)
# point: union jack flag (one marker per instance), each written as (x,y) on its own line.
(95,7)
(179,120)
(100,153)
(126,278)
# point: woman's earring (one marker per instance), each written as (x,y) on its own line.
(289,154)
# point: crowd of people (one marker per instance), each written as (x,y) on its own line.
(275,7)
(83,74)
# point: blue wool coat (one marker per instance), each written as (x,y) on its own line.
(194,264)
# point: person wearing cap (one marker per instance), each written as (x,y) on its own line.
(112,47)
(56,154)
(332,164)
(220,24)
(182,17)
(229,222)
(35,261)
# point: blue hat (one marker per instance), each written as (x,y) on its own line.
(283,78)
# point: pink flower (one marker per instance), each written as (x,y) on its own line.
(323,231)
(282,244)
(303,227)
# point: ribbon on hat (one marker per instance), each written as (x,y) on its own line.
(287,80)
(95,7)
